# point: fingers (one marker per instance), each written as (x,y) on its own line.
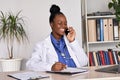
(63,66)
(58,66)
(71,34)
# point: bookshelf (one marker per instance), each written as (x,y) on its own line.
(95,45)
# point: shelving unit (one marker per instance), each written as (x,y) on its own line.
(97,42)
(97,45)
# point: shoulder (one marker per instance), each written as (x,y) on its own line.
(44,42)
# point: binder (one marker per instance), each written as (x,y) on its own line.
(101,30)
(92,30)
(105,25)
(98,29)
(110,31)
(115,30)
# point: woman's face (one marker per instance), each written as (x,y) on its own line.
(59,25)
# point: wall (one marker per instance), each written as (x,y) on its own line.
(97,5)
(36,13)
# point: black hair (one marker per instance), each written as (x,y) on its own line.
(54,10)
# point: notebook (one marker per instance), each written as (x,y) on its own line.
(110,69)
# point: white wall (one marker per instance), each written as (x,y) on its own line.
(97,5)
(36,13)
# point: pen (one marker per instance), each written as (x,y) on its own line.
(13,77)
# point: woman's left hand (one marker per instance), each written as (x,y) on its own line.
(71,35)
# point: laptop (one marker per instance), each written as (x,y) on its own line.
(110,69)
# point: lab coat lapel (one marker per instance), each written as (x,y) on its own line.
(72,54)
(51,49)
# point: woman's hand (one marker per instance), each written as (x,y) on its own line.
(71,35)
(58,66)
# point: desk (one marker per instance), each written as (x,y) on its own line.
(90,75)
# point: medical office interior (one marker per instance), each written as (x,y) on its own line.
(36,14)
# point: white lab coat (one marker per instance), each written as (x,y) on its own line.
(44,55)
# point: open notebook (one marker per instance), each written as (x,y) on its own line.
(110,69)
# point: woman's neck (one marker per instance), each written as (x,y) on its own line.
(57,37)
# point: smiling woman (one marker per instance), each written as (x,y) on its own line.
(58,50)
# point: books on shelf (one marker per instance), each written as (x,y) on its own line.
(91,59)
(102,57)
(95,58)
(110,55)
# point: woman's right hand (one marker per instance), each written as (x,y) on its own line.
(58,66)
(71,35)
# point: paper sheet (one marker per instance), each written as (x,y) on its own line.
(28,75)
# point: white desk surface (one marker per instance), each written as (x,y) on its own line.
(90,75)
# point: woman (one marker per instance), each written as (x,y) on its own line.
(58,50)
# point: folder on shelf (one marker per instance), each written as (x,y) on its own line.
(115,30)
(101,30)
(91,30)
(105,24)
(110,31)
(98,29)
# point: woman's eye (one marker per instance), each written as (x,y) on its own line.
(65,24)
(60,23)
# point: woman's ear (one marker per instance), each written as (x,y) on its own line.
(51,24)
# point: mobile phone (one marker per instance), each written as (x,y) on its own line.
(67,31)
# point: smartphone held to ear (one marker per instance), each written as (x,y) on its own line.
(67,31)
